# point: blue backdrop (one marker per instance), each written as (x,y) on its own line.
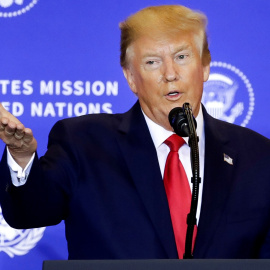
(61,58)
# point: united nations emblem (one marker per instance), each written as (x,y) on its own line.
(228,94)
(13,8)
(17,242)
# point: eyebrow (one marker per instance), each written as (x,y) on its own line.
(175,51)
(181,48)
(150,54)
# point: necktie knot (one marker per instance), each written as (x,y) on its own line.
(175,142)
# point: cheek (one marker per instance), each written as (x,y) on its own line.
(197,80)
(159,79)
(150,82)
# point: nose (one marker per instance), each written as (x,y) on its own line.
(170,71)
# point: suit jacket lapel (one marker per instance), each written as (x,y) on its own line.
(141,158)
(217,182)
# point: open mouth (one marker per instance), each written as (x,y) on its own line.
(173,93)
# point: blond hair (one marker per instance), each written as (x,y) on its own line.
(164,20)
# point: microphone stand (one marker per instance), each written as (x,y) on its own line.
(195,180)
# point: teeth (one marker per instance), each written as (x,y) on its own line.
(173,94)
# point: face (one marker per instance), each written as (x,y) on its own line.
(165,73)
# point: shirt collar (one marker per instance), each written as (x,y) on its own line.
(160,134)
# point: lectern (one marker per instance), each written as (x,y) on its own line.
(194,264)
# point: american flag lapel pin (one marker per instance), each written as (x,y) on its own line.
(228,159)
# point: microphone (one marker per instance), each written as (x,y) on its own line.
(179,122)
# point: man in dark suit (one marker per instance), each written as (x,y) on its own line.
(103,174)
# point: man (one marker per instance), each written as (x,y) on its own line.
(103,174)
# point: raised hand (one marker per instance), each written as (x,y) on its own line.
(20,140)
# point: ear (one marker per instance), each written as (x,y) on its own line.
(130,79)
(206,72)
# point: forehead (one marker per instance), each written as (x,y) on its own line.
(153,45)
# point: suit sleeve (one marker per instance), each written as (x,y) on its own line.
(44,199)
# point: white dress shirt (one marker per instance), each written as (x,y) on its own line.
(18,175)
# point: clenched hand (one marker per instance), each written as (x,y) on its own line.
(20,140)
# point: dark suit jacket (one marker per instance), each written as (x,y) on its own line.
(101,175)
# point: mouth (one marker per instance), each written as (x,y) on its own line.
(173,95)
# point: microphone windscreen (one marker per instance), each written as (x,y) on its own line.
(178,121)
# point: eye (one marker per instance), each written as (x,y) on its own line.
(150,62)
(181,56)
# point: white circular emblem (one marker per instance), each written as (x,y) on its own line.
(17,242)
(228,94)
(13,8)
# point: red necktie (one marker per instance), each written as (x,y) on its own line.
(178,193)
